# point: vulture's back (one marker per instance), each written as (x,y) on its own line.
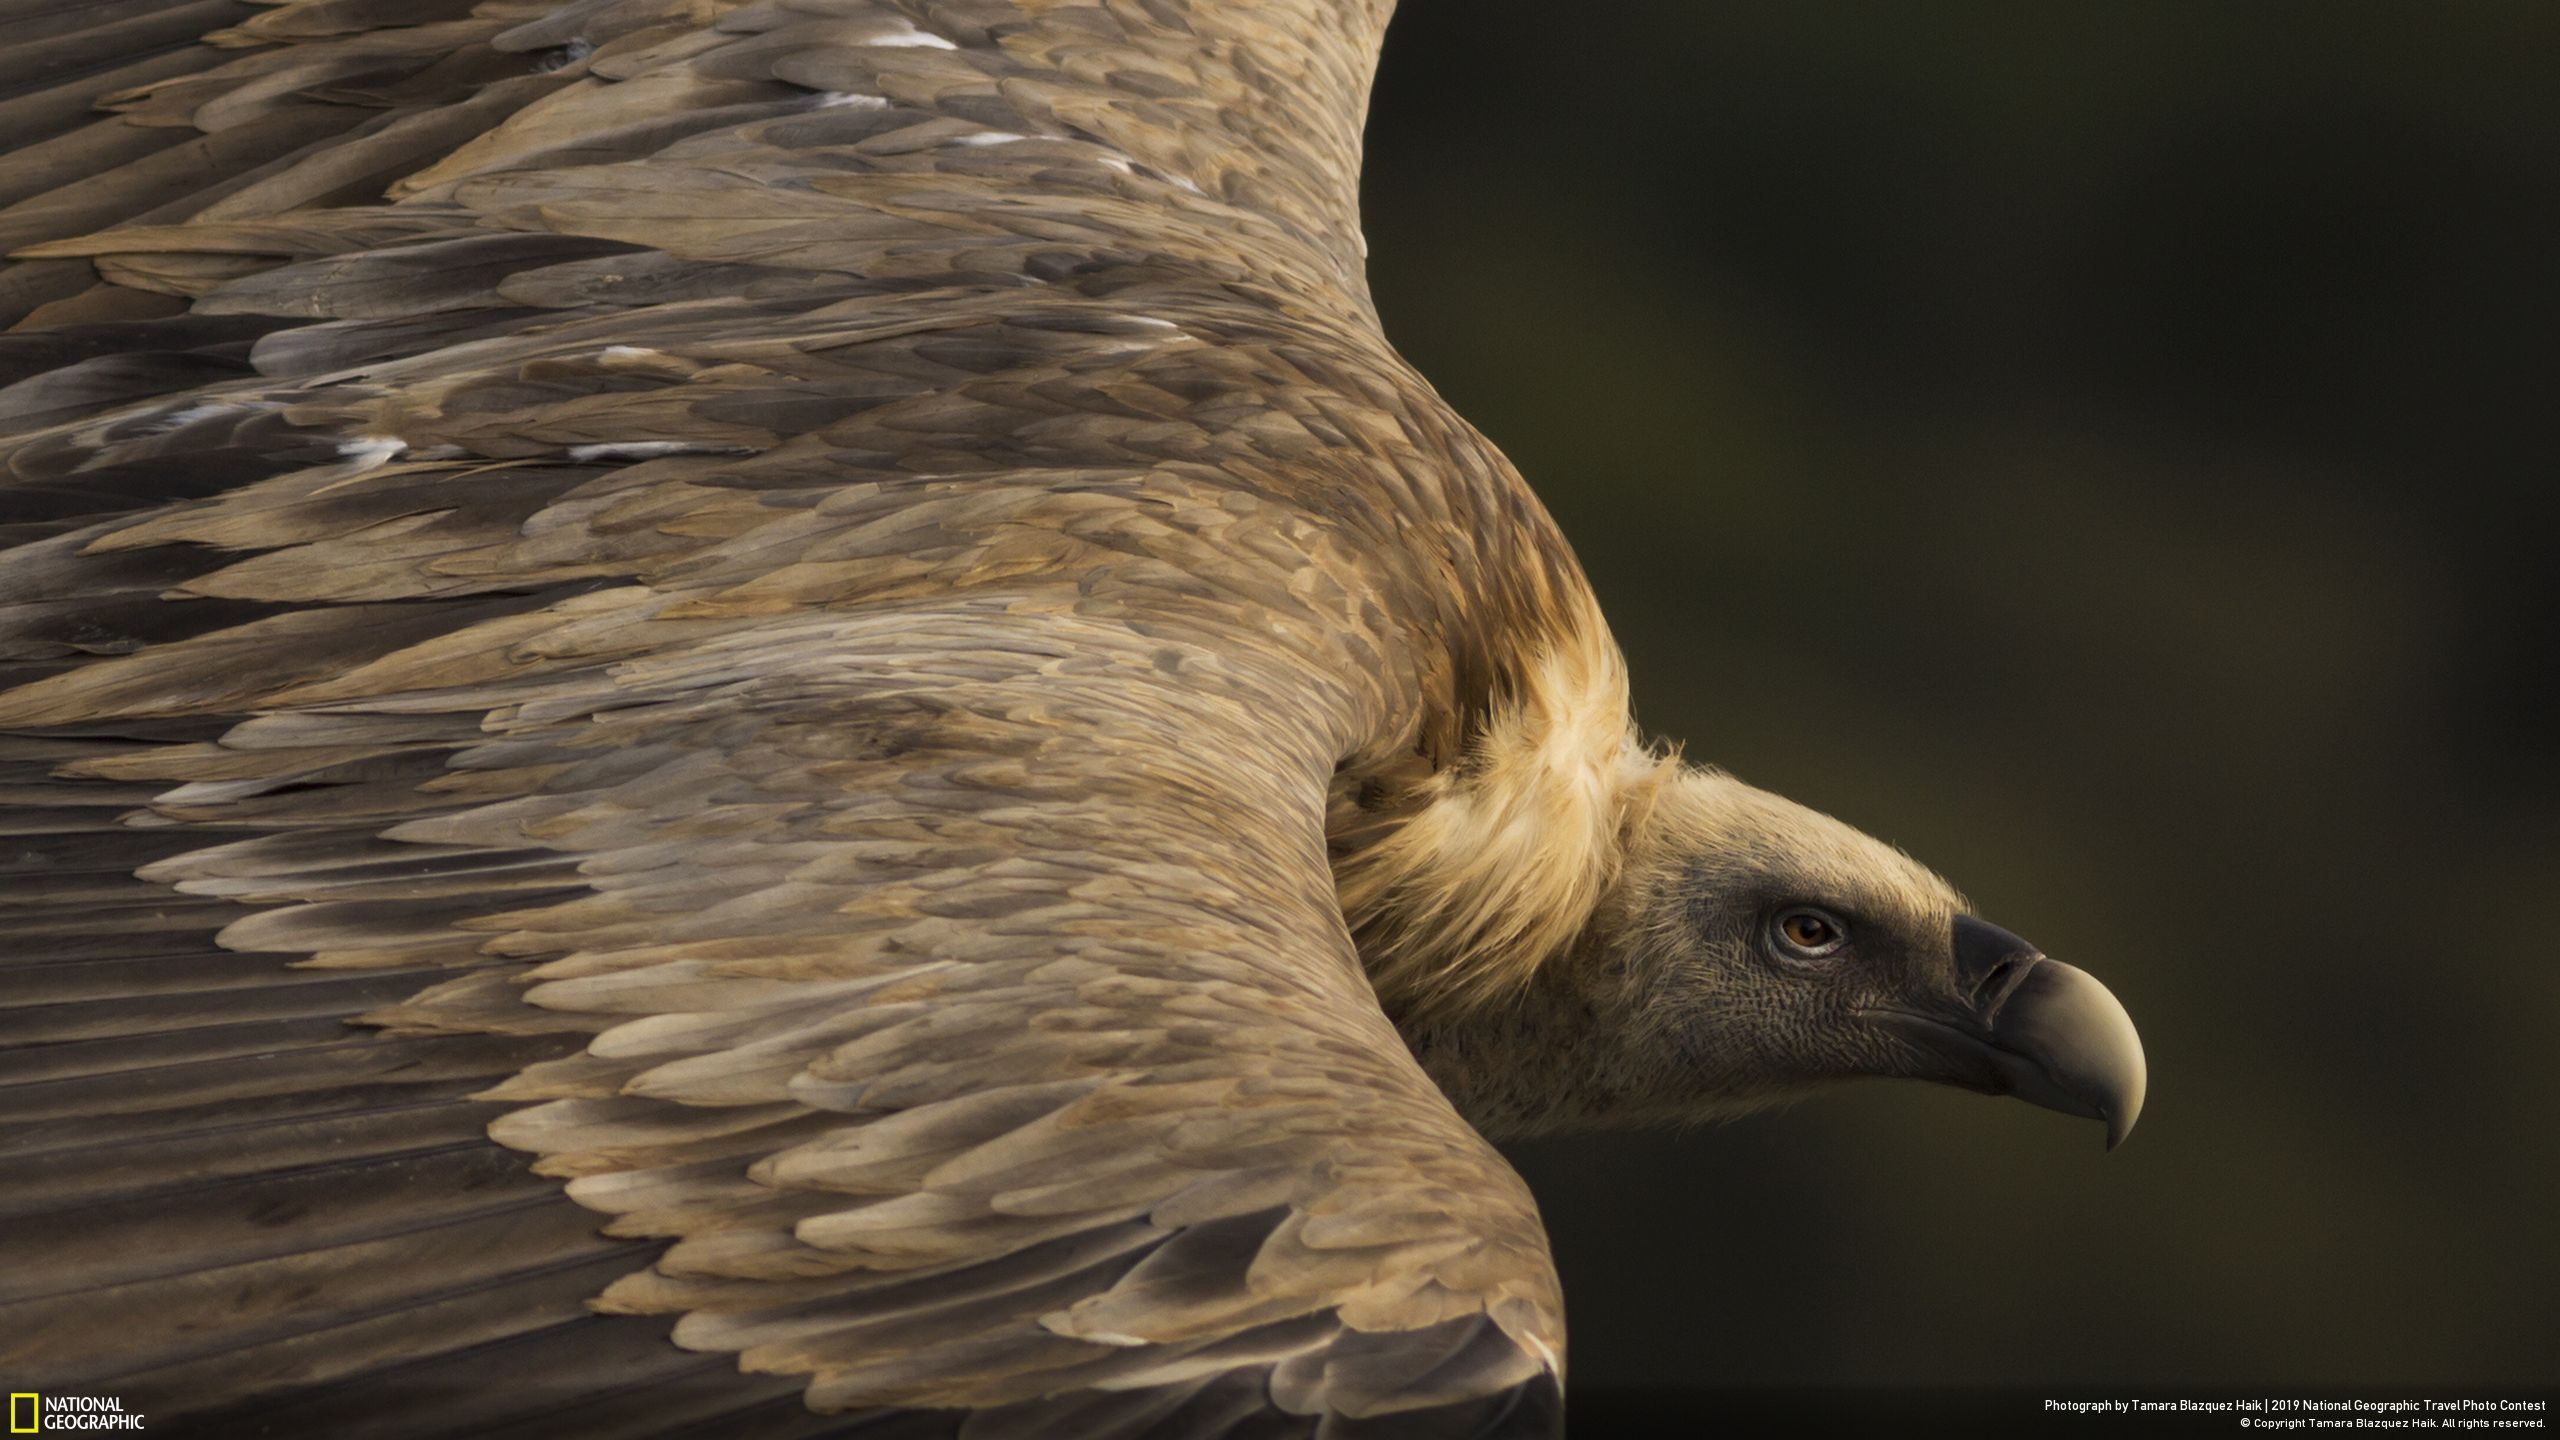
(670,678)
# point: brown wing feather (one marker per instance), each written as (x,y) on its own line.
(770,596)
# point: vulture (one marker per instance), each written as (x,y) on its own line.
(774,718)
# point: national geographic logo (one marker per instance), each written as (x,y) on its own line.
(31,1413)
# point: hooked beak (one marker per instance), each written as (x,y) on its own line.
(2029,1026)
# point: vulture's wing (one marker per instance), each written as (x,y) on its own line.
(771,629)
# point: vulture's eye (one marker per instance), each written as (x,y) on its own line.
(1805,933)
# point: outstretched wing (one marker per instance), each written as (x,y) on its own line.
(767,597)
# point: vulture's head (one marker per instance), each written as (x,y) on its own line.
(1745,950)
(1759,948)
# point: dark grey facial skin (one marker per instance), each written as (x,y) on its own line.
(1692,1001)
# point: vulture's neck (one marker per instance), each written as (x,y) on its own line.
(1472,878)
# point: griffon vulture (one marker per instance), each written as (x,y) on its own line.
(773,717)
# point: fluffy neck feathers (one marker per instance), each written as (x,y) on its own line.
(1499,862)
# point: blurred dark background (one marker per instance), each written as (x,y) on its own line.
(2109,451)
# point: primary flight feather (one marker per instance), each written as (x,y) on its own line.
(776,718)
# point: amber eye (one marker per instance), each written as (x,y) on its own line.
(1808,934)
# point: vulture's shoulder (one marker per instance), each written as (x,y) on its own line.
(760,601)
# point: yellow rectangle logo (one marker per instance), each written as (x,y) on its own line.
(24,1403)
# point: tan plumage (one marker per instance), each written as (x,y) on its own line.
(830,619)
